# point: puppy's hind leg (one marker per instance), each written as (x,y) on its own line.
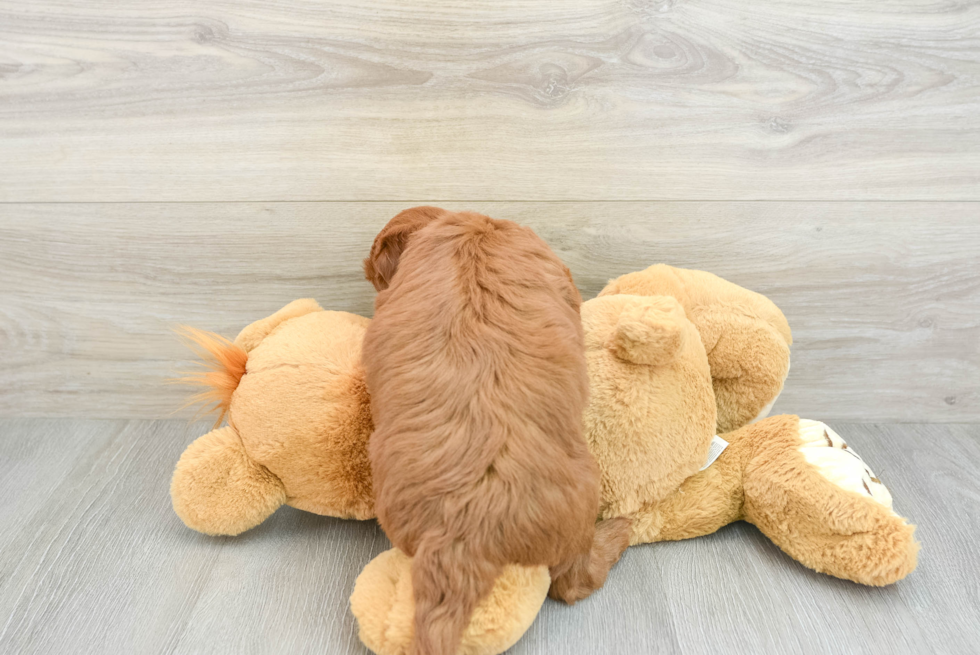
(578,578)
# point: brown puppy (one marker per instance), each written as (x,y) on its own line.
(476,368)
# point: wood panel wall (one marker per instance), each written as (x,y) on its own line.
(883,298)
(207,162)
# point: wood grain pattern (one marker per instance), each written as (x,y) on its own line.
(502,100)
(99,563)
(93,557)
(883,298)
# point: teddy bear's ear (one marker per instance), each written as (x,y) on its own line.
(381,264)
(650,330)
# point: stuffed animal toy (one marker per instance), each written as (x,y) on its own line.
(299,421)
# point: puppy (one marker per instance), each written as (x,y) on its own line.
(476,369)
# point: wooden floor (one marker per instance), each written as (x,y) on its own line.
(93,560)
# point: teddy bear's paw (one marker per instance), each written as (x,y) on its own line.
(830,455)
(809,492)
(217,489)
(839,518)
(384,606)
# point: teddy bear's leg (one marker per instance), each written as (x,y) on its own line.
(749,362)
(705,502)
(217,489)
(809,492)
(384,606)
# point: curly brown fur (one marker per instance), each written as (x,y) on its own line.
(584,574)
(476,369)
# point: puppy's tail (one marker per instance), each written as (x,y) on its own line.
(224,365)
(449,580)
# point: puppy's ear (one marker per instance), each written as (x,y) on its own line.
(381,264)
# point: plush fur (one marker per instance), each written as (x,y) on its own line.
(298,424)
(383,598)
(652,412)
(217,488)
(475,365)
(764,478)
(224,366)
(746,337)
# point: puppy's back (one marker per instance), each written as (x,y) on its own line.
(476,367)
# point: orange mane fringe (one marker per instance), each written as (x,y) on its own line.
(224,364)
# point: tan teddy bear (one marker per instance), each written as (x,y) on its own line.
(299,420)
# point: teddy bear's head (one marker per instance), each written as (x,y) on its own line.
(651,412)
(299,420)
(745,335)
(303,412)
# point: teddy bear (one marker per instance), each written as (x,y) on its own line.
(299,421)
(299,418)
(654,407)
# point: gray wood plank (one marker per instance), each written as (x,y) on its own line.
(577,100)
(883,298)
(32,455)
(101,563)
(105,565)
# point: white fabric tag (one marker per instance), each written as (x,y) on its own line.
(718,446)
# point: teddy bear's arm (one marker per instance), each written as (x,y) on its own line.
(805,489)
(253,334)
(816,499)
(217,489)
(749,362)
